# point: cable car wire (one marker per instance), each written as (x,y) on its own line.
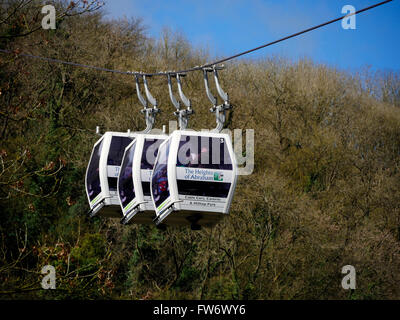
(65,62)
(197,68)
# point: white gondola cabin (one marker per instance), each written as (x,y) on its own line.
(193,179)
(102,173)
(134,179)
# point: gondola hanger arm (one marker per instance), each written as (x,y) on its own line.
(207,86)
(149,96)
(220,110)
(150,113)
(184,99)
(171,94)
(221,92)
(142,100)
(182,114)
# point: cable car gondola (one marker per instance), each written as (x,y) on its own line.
(134,179)
(194,176)
(102,173)
(104,165)
(193,179)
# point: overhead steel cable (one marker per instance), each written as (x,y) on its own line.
(295,34)
(196,68)
(64,62)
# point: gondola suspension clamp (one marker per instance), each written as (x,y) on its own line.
(182,114)
(219,110)
(150,113)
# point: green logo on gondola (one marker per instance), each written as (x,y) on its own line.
(218,176)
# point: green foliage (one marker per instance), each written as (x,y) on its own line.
(222,288)
(90,251)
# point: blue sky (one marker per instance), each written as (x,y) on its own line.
(226,27)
